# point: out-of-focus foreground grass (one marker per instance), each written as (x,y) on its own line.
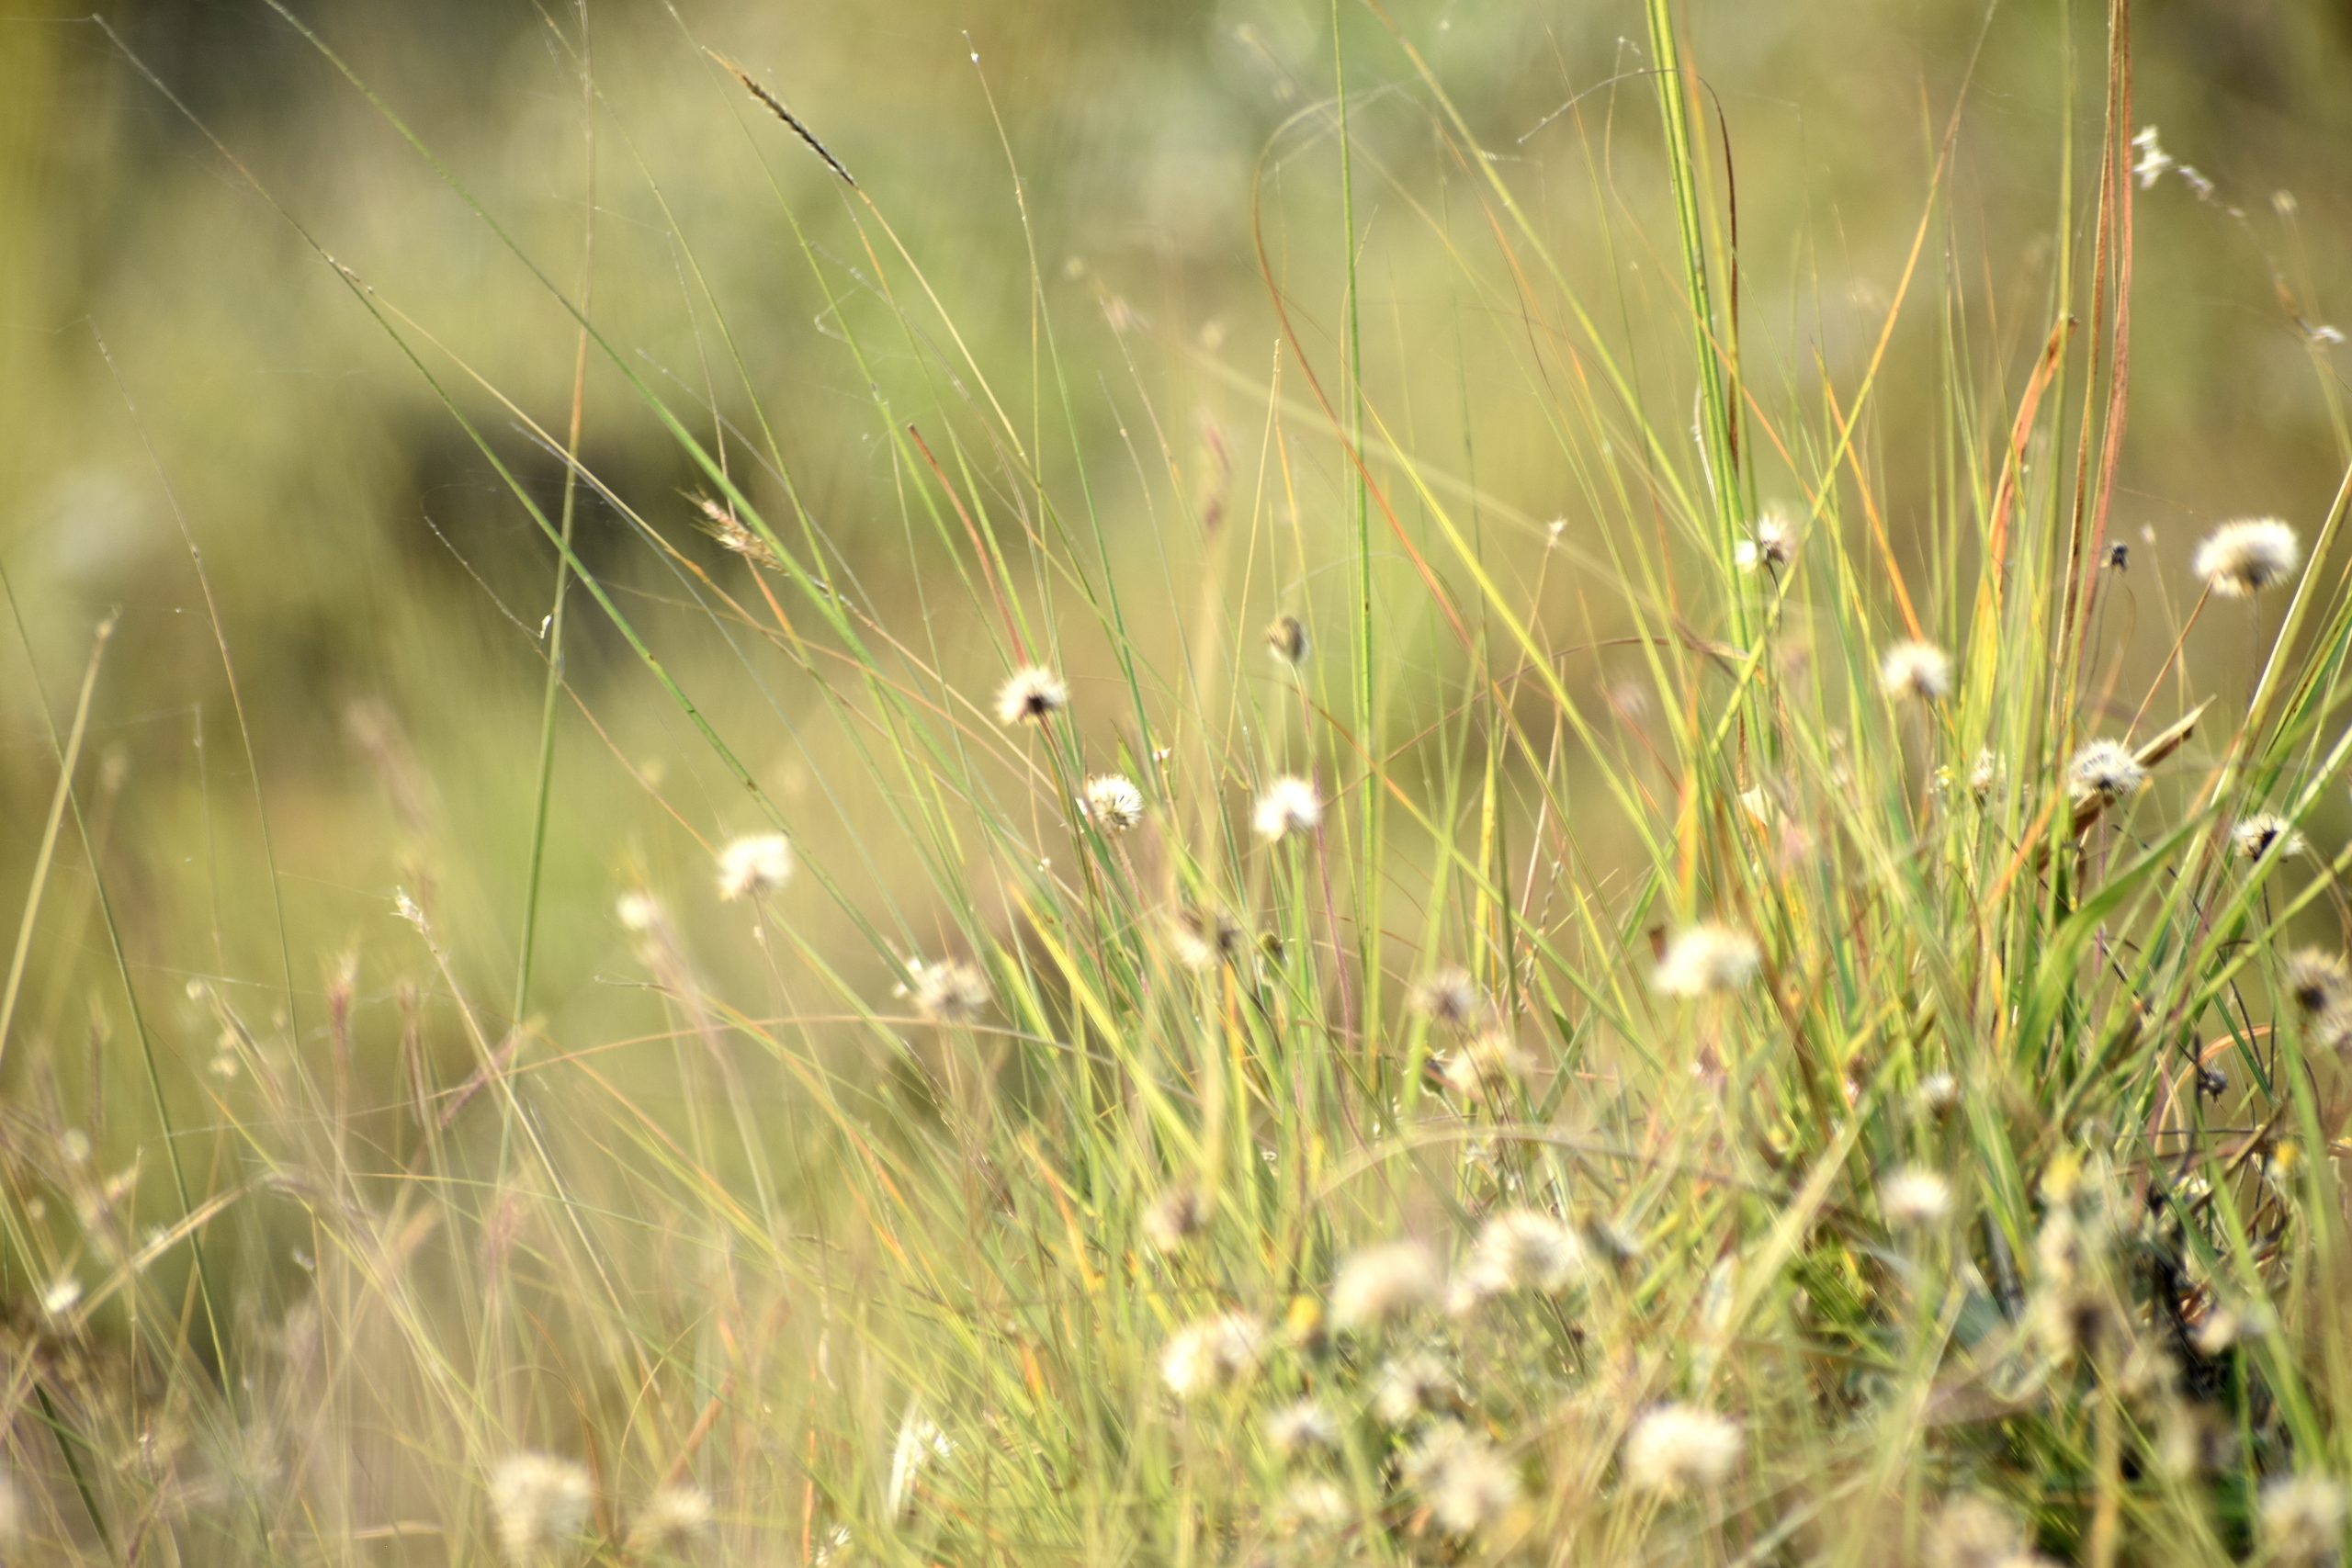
(493,1129)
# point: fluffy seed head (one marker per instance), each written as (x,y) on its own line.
(1289,806)
(1313,1505)
(1771,544)
(950,991)
(1973,1532)
(1706,957)
(1113,802)
(1469,1487)
(1175,1217)
(1526,1249)
(1919,670)
(1409,1387)
(2303,1520)
(1914,1197)
(1301,1426)
(2266,832)
(2107,768)
(1031,696)
(1201,938)
(753,867)
(2318,980)
(1450,997)
(1383,1283)
(1287,638)
(671,1519)
(1677,1449)
(1212,1353)
(2240,559)
(538,1503)
(1488,1063)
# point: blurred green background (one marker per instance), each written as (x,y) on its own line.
(380,591)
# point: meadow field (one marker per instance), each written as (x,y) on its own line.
(1178,782)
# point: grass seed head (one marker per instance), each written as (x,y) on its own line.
(1289,806)
(1709,956)
(2238,560)
(950,991)
(2266,832)
(1678,1449)
(1770,544)
(1526,1249)
(1381,1284)
(1031,694)
(1450,997)
(1470,1488)
(2303,1520)
(1212,1353)
(673,1518)
(750,867)
(1301,1427)
(1916,669)
(1914,1197)
(2106,769)
(1175,1217)
(1287,638)
(538,1505)
(1113,802)
(2318,981)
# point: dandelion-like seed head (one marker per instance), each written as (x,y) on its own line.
(2267,832)
(1201,939)
(1380,1284)
(674,1516)
(2106,769)
(1486,1064)
(1289,806)
(1113,802)
(752,867)
(1175,1217)
(1526,1249)
(1313,1505)
(1706,957)
(538,1503)
(1771,544)
(1938,1095)
(1984,775)
(1031,694)
(1678,1449)
(1973,1532)
(1914,1197)
(950,991)
(1409,1387)
(2303,1520)
(1287,638)
(2238,560)
(1212,1353)
(1470,1487)
(639,913)
(1301,1426)
(2319,981)
(1916,669)
(1450,997)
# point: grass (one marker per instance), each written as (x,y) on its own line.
(1588,1060)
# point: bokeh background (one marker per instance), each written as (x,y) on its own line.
(172,351)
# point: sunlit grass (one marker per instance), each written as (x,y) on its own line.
(1719,1028)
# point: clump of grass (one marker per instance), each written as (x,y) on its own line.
(1782,1155)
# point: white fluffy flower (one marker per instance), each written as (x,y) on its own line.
(1212,1353)
(1913,1197)
(1919,670)
(1289,806)
(1114,803)
(2240,559)
(1677,1449)
(1031,694)
(1706,957)
(1383,1283)
(537,1504)
(751,866)
(2108,769)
